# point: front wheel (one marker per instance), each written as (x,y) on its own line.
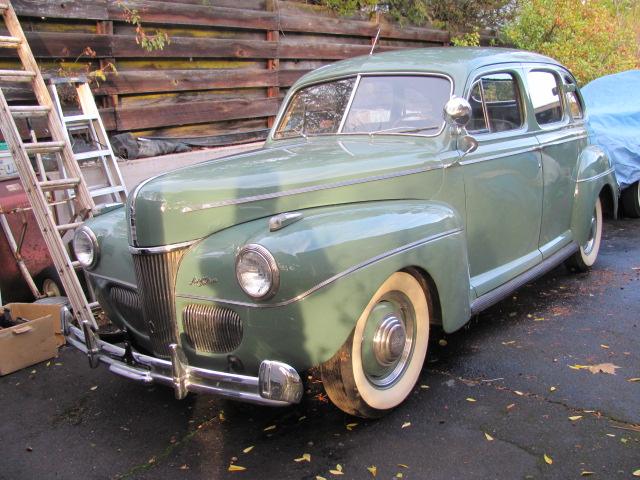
(586,256)
(379,364)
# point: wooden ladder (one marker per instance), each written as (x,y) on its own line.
(37,188)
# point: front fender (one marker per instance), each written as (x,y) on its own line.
(331,263)
(595,173)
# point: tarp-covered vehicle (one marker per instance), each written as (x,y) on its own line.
(613,103)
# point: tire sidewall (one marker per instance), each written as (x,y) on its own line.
(590,259)
(390,397)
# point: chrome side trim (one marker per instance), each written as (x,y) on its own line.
(160,249)
(595,177)
(501,155)
(494,296)
(329,280)
(315,188)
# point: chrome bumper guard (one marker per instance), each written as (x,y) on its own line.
(277,384)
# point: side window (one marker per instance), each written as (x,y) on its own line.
(495,103)
(544,88)
(575,107)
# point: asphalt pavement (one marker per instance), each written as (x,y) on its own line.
(507,397)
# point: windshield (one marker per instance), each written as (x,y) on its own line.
(391,104)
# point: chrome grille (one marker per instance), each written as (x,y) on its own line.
(127,302)
(211,328)
(156,276)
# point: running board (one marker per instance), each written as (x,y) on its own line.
(494,296)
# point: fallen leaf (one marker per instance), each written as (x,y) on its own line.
(575,417)
(470,399)
(604,346)
(637,379)
(184,467)
(636,473)
(548,459)
(373,470)
(488,437)
(609,368)
(270,427)
(48,364)
(94,388)
(306,457)
(442,342)
(248,449)
(399,475)
(221,416)
(302,418)
(511,342)
(424,387)
(552,389)
(318,477)
(510,406)
(518,392)
(337,471)
(236,468)
(624,440)
(351,425)
(586,473)
(538,319)
(403,465)
(406,424)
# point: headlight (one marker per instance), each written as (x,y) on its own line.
(85,246)
(257,272)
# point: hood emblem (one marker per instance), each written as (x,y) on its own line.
(283,219)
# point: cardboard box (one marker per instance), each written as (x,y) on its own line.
(32,311)
(31,342)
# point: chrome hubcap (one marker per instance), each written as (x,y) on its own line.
(588,247)
(388,339)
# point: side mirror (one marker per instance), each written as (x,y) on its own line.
(457,112)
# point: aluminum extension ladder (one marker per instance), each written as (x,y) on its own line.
(36,188)
(111,184)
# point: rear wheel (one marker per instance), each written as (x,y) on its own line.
(586,256)
(631,200)
(379,364)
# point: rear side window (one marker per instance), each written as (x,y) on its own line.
(544,88)
(495,104)
(575,107)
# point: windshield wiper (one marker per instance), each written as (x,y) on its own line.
(411,130)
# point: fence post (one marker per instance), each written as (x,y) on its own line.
(273,63)
(105,27)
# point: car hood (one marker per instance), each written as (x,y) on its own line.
(193,202)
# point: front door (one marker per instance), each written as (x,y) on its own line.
(503,182)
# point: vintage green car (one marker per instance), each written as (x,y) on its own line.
(394,192)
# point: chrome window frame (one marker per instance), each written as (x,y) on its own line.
(347,109)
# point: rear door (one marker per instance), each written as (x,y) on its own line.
(561,135)
(503,180)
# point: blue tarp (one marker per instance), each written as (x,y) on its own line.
(613,107)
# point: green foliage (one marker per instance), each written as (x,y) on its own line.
(453,15)
(149,42)
(471,39)
(585,35)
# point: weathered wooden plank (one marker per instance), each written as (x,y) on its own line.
(93,10)
(124,46)
(286,78)
(243,4)
(144,81)
(194,112)
(324,51)
(205,15)
(64,45)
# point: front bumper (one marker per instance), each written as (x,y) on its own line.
(277,383)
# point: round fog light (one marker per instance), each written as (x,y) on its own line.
(257,272)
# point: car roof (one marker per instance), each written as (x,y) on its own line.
(456,62)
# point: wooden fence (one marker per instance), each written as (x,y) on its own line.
(227,66)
